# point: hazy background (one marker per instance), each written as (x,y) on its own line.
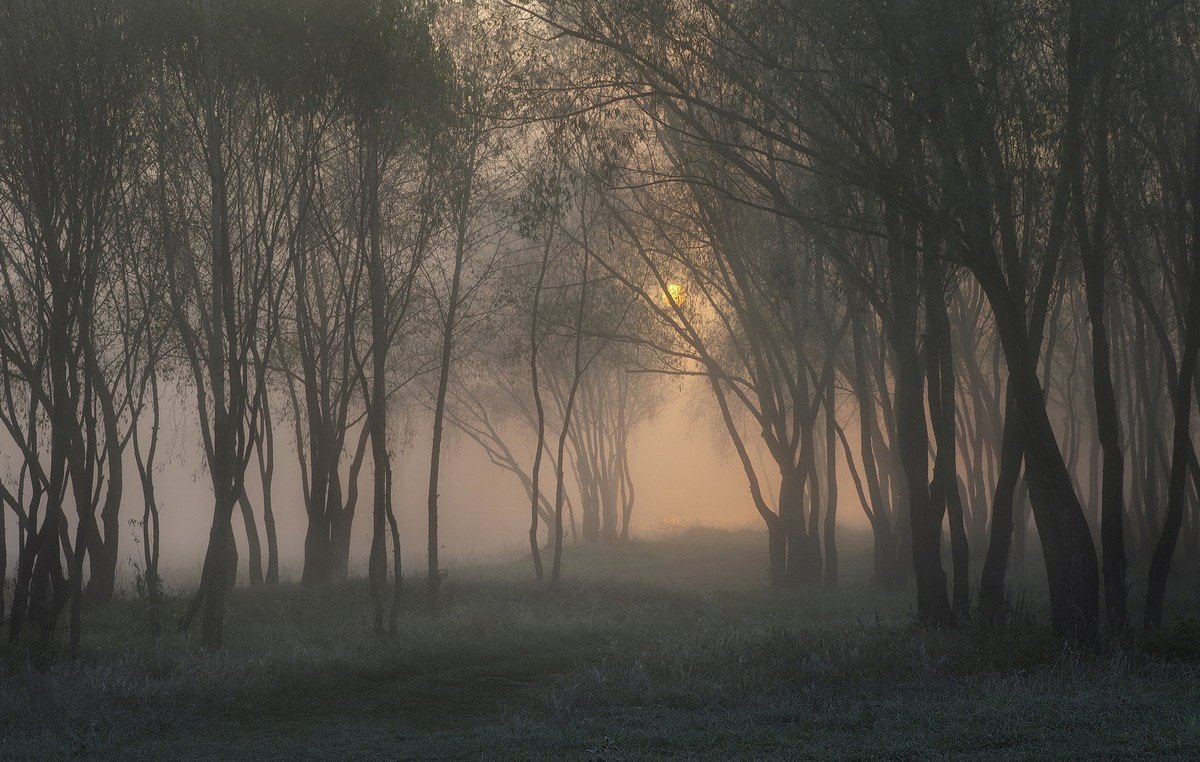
(684,469)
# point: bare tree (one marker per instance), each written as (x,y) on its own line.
(227,255)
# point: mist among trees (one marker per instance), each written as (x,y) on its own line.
(924,274)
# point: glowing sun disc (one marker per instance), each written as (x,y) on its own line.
(674,294)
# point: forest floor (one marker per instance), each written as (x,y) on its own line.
(662,648)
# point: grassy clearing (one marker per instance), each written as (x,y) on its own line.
(663,648)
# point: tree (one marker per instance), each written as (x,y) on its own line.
(227,256)
(71,80)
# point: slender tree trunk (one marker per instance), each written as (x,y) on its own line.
(912,441)
(25,565)
(253,545)
(75,627)
(26,560)
(229,400)
(577,373)
(1112,511)
(944,492)
(231,559)
(535,493)
(831,557)
(610,488)
(1181,442)
(627,491)
(377,399)
(150,516)
(397,577)
(439,408)
(266,469)
(881,529)
(104,553)
(813,557)
(3,564)
(992,597)
(48,588)
(590,505)
(1108,421)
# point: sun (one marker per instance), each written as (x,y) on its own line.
(674,294)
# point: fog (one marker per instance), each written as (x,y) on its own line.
(685,474)
(526,379)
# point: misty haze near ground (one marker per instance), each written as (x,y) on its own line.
(680,463)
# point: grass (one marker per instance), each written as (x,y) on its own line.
(663,648)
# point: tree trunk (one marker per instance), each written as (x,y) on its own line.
(103,582)
(881,528)
(992,596)
(577,374)
(397,587)
(627,491)
(1181,442)
(3,564)
(1112,510)
(272,577)
(831,558)
(231,558)
(216,570)
(791,517)
(439,408)
(1071,566)
(944,492)
(777,545)
(590,506)
(535,493)
(266,469)
(318,551)
(1108,421)
(253,546)
(933,605)
(340,523)
(26,561)
(377,398)
(813,565)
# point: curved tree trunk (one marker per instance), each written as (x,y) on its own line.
(1181,442)
(253,545)
(1072,569)
(992,596)
(831,557)
(943,491)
